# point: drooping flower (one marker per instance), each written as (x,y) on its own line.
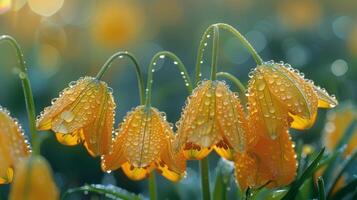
(84,112)
(278,98)
(33,180)
(13,146)
(144,143)
(213,118)
(336,126)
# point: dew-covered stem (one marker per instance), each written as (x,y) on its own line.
(177,62)
(237,83)
(152,186)
(215,48)
(26,87)
(207,34)
(139,75)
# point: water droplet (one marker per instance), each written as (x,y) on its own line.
(261,86)
(162,56)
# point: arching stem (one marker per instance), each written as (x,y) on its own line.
(26,87)
(237,83)
(215,48)
(183,71)
(139,75)
(177,62)
(206,35)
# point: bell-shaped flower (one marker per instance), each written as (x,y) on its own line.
(278,93)
(33,180)
(13,146)
(84,112)
(336,126)
(212,119)
(267,162)
(144,143)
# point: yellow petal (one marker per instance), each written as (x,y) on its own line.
(136,173)
(70,139)
(28,185)
(13,145)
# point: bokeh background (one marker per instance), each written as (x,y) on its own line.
(67,39)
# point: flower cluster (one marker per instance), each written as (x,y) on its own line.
(257,139)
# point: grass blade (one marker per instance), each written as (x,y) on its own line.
(109,191)
(307,173)
(224,174)
(347,189)
(321,188)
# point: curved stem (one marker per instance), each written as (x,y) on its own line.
(26,87)
(237,83)
(230,29)
(139,75)
(177,62)
(204,169)
(152,186)
(215,47)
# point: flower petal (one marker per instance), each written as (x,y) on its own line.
(136,173)
(325,100)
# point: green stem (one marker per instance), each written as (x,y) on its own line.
(177,62)
(152,186)
(321,188)
(237,83)
(139,75)
(236,33)
(215,47)
(204,170)
(26,87)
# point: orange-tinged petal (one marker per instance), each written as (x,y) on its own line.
(143,141)
(87,106)
(272,161)
(13,145)
(33,180)
(213,115)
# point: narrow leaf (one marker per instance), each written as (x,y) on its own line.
(109,191)
(321,188)
(306,174)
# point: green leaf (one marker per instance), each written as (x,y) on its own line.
(321,188)
(306,174)
(345,165)
(224,174)
(347,189)
(110,191)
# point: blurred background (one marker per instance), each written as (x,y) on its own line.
(67,39)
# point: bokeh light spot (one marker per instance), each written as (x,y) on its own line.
(5,5)
(339,67)
(48,59)
(342,26)
(257,39)
(45,7)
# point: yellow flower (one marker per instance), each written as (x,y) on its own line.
(336,125)
(84,112)
(212,118)
(13,146)
(144,143)
(279,98)
(33,181)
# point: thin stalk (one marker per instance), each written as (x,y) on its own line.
(206,35)
(177,62)
(215,48)
(26,87)
(139,75)
(321,188)
(152,186)
(204,170)
(237,83)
